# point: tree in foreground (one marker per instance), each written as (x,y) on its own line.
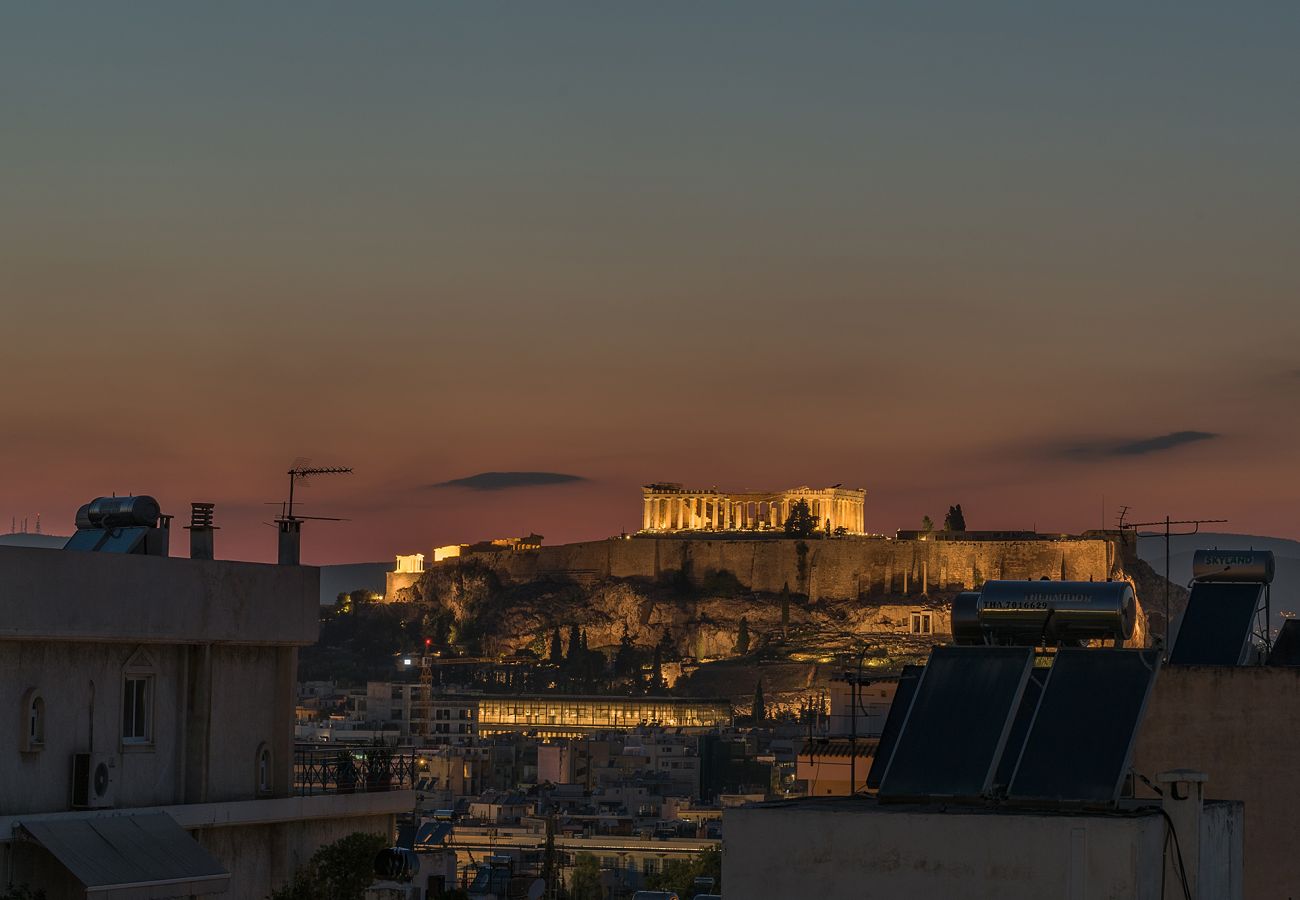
(679,874)
(584,883)
(338,871)
(760,707)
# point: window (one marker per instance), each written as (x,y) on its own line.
(920,623)
(137,709)
(265,776)
(33,731)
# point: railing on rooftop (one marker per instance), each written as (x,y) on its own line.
(347,770)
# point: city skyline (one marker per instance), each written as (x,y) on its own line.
(1036,262)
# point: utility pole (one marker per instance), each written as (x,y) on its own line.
(855,684)
(1196,527)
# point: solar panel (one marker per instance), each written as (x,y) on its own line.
(1286,649)
(902,702)
(1020,725)
(124,540)
(958,723)
(1080,742)
(433,834)
(86,539)
(1215,630)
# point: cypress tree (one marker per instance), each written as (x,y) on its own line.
(557,650)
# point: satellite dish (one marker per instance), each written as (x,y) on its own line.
(536,889)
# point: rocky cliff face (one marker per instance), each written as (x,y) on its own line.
(795,640)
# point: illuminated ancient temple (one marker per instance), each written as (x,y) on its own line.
(670,507)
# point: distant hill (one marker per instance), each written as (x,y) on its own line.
(335,580)
(1286,584)
(20,539)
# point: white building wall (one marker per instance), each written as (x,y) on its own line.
(854,850)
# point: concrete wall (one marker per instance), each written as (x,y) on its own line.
(68,596)
(1239,726)
(82,686)
(398,581)
(833,568)
(852,850)
(261,858)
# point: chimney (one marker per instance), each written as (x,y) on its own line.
(290,541)
(201,531)
(1184,796)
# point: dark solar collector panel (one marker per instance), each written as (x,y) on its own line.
(123,540)
(1020,725)
(1286,649)
(1080,741)
(958,723)
(1215,630)
(898,708)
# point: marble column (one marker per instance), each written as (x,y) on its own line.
(645,515)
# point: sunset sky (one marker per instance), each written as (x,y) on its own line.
(1038,261)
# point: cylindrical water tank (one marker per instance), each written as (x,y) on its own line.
(1048,612)
(119,512)
(1233,565)
(397,864)
(966,618)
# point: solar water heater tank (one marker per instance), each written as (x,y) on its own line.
(1045,612)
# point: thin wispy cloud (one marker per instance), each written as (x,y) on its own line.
(503,481)
(1118,449)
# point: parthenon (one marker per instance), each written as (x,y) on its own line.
(670,507)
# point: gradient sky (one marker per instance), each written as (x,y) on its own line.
(949,252)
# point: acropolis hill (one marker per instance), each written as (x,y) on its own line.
(835,593)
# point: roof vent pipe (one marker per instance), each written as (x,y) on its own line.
(201,531)
(290,541)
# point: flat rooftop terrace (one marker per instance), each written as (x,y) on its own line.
(68,595)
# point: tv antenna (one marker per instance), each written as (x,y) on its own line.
(1167,534)
(302,470)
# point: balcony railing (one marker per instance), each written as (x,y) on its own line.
(352,771)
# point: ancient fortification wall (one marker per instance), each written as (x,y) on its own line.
(838,568)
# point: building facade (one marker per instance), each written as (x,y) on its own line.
(560,715)
(156,699)
(670,507)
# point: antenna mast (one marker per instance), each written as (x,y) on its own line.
(1196,526)
(301,472)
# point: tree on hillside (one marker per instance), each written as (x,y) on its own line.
(666,647)
(625,658)
(742,637)
(955,520)
(557,649)
(800,522)
(927,524)
(759,711)
(657,682)
(575,645)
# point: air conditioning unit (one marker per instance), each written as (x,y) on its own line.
(94,780)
